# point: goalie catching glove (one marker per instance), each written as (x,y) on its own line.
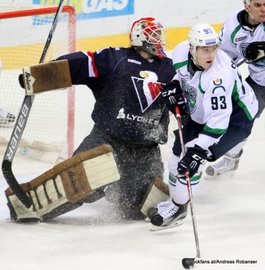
(45,77)
(65,186)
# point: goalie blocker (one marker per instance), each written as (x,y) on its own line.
(65,186)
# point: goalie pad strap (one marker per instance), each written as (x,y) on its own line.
(46,76)
(75,182)
(161,185)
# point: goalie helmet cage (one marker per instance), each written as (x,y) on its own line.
(50,126)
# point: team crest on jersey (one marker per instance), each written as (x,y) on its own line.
(190,94)
(147,88)
(218,85)
(243,47)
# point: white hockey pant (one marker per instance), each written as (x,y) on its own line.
(178,186)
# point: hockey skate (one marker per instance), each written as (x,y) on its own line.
(225,167)
(167,215)
(7,121)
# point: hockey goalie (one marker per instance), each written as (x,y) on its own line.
(129,112)
(82,178)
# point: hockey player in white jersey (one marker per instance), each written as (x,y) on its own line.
(243,38)
(221,109)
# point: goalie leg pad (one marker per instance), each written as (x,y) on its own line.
(157,193)
(63,188)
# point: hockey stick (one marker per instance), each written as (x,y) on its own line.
(241,63)
(20,125)
(188,262)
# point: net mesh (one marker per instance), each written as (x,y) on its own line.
(23,36)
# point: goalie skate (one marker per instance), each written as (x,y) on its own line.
(167,215)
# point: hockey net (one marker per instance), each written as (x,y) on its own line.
(50,126)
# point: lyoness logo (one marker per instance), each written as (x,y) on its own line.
(137,118)
(147,88)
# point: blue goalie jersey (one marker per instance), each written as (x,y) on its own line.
(126,88)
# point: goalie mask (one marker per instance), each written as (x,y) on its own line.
(149,35)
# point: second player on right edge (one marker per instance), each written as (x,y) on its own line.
(243,39)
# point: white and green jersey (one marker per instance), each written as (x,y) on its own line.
(217,97)
(235,37)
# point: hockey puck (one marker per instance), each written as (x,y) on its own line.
(188,263)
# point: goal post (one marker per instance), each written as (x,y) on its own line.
(50,125)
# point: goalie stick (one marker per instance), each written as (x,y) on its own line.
(20,126)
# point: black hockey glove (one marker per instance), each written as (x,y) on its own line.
(252,50)
(173,96)
(194,157)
